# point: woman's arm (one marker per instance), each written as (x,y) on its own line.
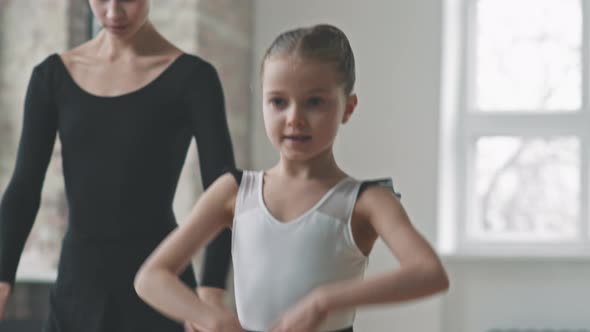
(157,281)
(21,200)
(209,123)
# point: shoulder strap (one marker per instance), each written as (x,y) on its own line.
(383,182)
(341,201)
(249,185)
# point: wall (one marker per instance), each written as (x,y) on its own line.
(395,132)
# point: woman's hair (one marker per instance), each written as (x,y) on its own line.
(322,42)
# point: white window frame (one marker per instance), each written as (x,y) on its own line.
(459,129)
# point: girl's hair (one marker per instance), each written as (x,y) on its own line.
(321,42)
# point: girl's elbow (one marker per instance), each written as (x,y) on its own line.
(444,282)
(431,275)
(438,278)
(141,282)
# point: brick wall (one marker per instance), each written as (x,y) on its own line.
(30,30)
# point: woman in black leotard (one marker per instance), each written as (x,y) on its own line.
(125,106)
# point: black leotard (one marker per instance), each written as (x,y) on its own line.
(122,157)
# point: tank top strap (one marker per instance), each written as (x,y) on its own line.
(247,197)
(340,203)
(381,182)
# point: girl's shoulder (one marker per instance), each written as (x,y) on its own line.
(377,198)
(386,183)
(238,173)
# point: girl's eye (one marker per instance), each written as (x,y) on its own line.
(278,102)
(315,102)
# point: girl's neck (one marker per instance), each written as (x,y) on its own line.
(322,166)
(113,48)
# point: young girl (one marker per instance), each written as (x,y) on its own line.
(302,230)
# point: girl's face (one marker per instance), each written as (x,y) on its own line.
(120,17)
(304,105)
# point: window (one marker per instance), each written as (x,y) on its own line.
(516,127)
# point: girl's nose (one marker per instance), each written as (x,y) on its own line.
(114,11)
(296,117)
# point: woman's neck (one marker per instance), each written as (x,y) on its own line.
(115,48)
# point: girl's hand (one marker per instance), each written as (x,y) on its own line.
(227,322)
(5,290)
(305,316)
(189,328)
(213,297)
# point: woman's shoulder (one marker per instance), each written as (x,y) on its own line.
(81,53)
(195,60)
(47,64)
(55,63)
(46,71)
(197,67)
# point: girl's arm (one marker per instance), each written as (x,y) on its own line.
(157,281)
(420,272)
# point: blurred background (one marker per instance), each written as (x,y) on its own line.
(478,110)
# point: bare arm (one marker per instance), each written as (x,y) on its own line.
(420,272)
(157,281)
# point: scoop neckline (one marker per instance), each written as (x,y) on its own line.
(138,90)
(306,213)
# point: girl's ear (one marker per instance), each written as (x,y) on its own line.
(351,102)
